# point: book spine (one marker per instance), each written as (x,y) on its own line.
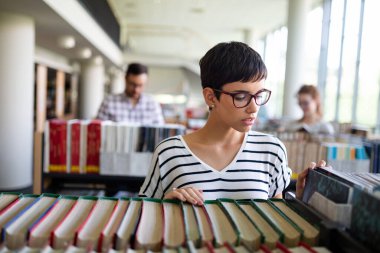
(75,148)
(93,147)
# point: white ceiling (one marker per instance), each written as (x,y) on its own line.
(188,28)
(163,32)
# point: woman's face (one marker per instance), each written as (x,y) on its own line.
(307,104)
(240,119)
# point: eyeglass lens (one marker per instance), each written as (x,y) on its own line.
(243,99)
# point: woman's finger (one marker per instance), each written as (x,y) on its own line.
(194,193)
(321,163)
(189,198)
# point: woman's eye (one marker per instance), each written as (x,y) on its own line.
(241,96)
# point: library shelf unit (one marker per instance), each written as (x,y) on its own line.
(55,182)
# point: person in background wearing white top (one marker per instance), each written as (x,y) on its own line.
(225,158)
(312,120)
(133,105)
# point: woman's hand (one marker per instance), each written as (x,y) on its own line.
(301,180)
(188,194)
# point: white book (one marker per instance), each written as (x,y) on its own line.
(108,233)
(128,225)
(270,235)
(89,233)
(49,249)
(16,231)
(204,223)
(150,228)
(39,234)
(28,249)
(222,227)
(14,209)
(174,228)
(6,199)
(249,235)
(63,235)
(191,225)
(74,249)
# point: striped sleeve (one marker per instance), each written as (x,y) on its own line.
(152,186)
(281,173)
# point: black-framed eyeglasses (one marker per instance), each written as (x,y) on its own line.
(242,99)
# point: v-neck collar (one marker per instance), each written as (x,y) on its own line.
(210,167)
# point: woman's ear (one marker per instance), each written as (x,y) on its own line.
(209,96)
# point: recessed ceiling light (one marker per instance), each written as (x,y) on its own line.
(66,41)
(85,53)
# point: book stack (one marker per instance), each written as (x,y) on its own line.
(344,154)
(126,149)
(102,147)
(52,223)
(349,199)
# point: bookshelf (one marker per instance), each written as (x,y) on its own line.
(54,182)
(55,97)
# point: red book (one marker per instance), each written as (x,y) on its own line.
(57,145)
(75,147)
(94,130)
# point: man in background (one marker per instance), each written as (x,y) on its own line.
(133,105)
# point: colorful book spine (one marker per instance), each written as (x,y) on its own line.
(93,146)
(57,145)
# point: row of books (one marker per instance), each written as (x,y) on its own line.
(101,224)
(349,199)
(75,146)
(373,147)
(189,248)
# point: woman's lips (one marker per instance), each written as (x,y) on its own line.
(248,121)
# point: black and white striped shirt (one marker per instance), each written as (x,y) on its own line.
(259,170)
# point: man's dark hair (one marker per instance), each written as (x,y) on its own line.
(231,62)
(136,69)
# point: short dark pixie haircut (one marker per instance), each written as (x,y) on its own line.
(136,69)
(229,62)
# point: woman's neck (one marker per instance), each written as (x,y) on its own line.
(216,133)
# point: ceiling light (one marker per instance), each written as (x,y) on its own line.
(66,41)
(98,60)
(85,53)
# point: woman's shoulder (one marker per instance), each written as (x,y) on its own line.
(169,142)
(255,136)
